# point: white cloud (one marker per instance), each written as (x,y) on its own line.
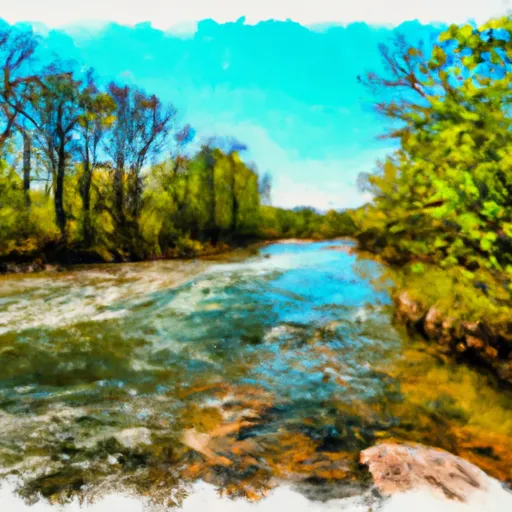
(167,13)
(323,183)
(288,193)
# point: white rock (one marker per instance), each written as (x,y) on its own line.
(133,437)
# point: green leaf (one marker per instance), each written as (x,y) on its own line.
(417,268)
(466,31)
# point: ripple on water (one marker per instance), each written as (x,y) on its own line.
(243,374)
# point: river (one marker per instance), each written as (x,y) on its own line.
(254,371)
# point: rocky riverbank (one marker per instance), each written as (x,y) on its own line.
(472,340)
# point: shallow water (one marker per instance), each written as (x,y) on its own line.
(249,372)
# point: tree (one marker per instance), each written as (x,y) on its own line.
(17,59)
(55,115)
(153,121)
(445,194)
(95,116)
(18,74)
(207,156)
(139,132)
(26,133)
(116,145)
(179,174)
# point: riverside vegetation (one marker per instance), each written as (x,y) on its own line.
(93,171)
(442,208)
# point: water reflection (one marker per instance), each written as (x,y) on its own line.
(243,373)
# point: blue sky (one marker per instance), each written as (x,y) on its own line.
(288,89)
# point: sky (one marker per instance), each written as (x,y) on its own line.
(283,79)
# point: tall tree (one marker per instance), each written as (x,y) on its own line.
(95,116)
(55,115)
(18,74)
(446,193)
(139,132)
(181,138)
(116,145)
(27,161)
(153,121)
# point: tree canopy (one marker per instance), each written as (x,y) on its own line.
(444,195)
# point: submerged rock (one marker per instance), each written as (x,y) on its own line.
(398,468)
(133,437)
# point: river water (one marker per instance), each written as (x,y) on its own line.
(255,371)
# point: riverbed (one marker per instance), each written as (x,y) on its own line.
(251,373)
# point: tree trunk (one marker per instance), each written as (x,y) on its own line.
(234,204)
(213,206)
(27,165)
(59,190)
(119,191)
(136,193)
(86,201)
(182,203)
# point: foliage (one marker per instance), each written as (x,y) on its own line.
(458,293)
(305,223)
(444,197)
(23,230)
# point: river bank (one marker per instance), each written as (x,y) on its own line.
(467,314)
(477,341)
(57,259)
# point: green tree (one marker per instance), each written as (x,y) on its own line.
(96,110)
(55,114)
(445,194)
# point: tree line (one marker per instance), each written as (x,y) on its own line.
(108,169)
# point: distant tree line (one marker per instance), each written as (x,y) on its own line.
(304,222)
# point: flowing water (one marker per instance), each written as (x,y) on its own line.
(249,372)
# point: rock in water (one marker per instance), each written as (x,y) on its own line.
(400,468)
(133,437)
